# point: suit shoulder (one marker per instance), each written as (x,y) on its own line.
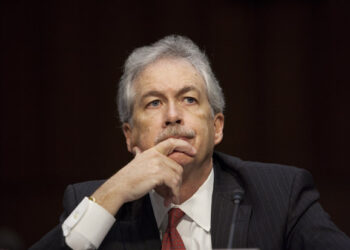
(87,185)
(86,188)
(261,181)
(259,170)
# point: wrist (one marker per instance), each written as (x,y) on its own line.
(109,201)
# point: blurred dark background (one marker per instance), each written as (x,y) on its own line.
(283,65)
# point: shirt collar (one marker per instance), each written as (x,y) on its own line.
(193,207)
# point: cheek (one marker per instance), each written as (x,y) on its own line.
(203,124)
(144,134)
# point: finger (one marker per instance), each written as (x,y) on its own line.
(168,197)
(171,165)
(167,202)
(170,145)
(170,189)
(174,184)
(170,200)
(136,150)
(175,200)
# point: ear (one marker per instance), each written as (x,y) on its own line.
(218,128)
(127,130)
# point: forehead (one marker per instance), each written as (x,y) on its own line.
(168,74)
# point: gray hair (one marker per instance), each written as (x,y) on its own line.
(170,46)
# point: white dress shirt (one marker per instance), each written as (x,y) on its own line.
(89,223)
(194,227)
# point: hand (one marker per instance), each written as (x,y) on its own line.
(149,169)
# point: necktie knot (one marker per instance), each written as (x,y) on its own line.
(174,217)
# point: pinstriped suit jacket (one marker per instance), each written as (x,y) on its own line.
(280,210)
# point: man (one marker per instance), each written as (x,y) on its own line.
(171,105)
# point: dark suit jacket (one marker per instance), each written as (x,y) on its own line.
(280,210)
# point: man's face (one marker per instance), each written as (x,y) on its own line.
(171,101)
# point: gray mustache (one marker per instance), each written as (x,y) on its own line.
(175,131)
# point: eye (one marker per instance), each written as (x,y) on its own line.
(154,103)
(190,100)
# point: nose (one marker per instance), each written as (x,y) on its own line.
(173,115)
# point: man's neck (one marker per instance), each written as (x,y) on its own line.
(194,179)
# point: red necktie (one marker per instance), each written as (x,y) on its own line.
(171,238)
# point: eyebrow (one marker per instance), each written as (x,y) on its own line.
(187,89)
(151,93)
(160,94)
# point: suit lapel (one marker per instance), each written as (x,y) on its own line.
(225,182)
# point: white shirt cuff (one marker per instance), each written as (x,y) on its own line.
(87,225)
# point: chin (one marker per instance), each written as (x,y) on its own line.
(181,158)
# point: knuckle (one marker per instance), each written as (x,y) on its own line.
(156,181)
(176,180)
